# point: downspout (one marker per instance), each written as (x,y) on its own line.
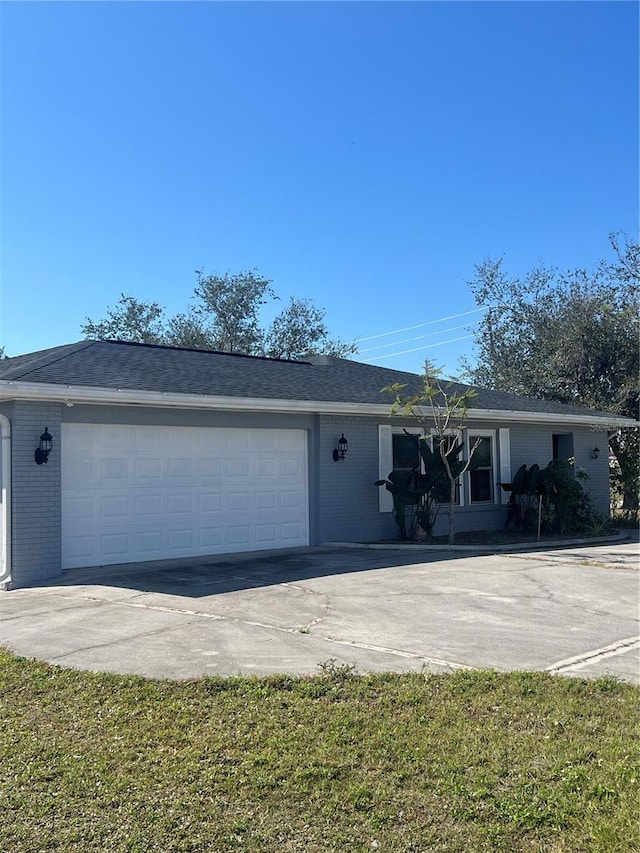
(5,506)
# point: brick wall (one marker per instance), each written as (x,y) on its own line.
(36,494)
(534,443)
(346,500)
(597,470)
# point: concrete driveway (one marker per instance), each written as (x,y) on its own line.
(572,611)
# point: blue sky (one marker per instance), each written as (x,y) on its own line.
(364,155)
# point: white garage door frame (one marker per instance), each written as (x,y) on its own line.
(139,493)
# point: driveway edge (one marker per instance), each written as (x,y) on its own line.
(488,549)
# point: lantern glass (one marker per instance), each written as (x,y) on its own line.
(46,441)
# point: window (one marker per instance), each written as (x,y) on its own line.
(562,446)
(481,477)
(443,494)
(406,455)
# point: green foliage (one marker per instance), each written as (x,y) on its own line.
(130,320)
(523,498)
(570,336)
(405,497)
(471,761)
(414,495)
(225,318)
(566,507)
(299,331)
(230,305)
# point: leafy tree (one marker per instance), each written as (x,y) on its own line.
(570,336)
(300,330)
(225,318)
(130,320)
(189,330)
(441,408)
(231,304)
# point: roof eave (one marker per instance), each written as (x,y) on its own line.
(76,394)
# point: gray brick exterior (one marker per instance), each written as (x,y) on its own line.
(35,494)
(347,500)
(343,500)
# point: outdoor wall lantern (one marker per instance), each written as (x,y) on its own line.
(595,453)
(340,451)
(46,443)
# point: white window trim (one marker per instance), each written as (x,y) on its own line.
(483,433)
(504,450)
(385,464)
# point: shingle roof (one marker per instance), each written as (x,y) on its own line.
(143,367)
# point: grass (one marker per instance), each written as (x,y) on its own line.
(469,761)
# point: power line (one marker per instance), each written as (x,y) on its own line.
(420,337)
(419,325)
(416,349)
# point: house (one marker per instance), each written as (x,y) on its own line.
(116,452)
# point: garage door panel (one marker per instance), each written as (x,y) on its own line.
(146,470)
(266,501)
(264,468)
(180,503)
(290,467)
(179,469)
(209,468)
(210,539)
(79,509)
(210,490)
(239,535)
(264,440)
(290,531)
(115,545)
(180,540)
(80,549)
(236,467)
(209,502)
(115,506)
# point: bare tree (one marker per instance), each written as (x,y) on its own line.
(441,409)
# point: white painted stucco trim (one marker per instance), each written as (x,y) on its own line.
(5,506)
(17,390)
(385,464)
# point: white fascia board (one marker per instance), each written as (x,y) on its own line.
(70,394)
(76,394)
(601,421)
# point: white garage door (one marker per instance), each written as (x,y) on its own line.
(134,493)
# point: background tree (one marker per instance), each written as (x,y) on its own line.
(230,305)
(570,336)
(226,318)
(130,320)
(300,330)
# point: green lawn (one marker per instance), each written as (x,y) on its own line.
(463,762)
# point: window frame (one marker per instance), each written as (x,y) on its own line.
(418,433)
(460,488)
(471,435)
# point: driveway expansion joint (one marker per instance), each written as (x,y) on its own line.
(112,643)
(579,661)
